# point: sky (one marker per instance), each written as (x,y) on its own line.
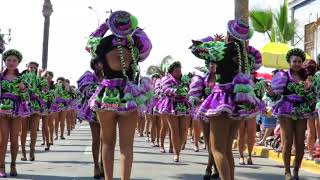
(170,24)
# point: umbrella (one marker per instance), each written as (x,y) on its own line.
(274,55)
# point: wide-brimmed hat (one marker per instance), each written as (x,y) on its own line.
(122,23)
(12,52)
(296,52)
(239,30)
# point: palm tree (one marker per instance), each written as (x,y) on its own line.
(241,10)
(276,25)
(162,68)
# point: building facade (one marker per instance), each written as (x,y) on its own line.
(307,15)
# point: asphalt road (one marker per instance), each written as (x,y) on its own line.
(71,159)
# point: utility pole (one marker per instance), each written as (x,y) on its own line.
(46,12)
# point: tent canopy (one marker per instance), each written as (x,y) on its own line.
(274,55)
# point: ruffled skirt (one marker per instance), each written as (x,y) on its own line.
(121,96)
(177,106)
(12,105)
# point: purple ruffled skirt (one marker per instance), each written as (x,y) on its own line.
(86,113)
(171,106)
(287,106)
(62,103)
(222,100)
(19,108)
(119,95)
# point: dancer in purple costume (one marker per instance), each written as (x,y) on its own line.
(12,109)
(62,99)
(233,99)
(53,106)
(121,92)
(87,85)
(295,104)
(200,89)
(31,123)
(151,115)
(174,105)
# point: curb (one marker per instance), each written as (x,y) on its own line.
(276,156)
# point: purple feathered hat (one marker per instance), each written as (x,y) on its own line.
(125,31)
(239,30)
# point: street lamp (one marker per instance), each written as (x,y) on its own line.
(46,12)
(91,8)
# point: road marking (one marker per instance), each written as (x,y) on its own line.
(88,150)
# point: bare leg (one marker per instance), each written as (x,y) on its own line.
(241,141)
(153,134)
(62,119)
(251,136)
(163,131)
(158,127)
(57,124)
(51,128)
(34,123)
(311,136)
(95,132)
(235,124)
(14,143)
(219,138)
(126,124)
(23,137)
(266,134)
(4,137)
(286,125)
(69,121)
(108,132)
(206,135)
(183,130)
(300,129)
(45,131)
(173,122)
(147,127)
(196,134)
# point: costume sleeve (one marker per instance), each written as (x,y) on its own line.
(279,82)
(86,83)
(95,38)
(157,87)
(255,58)
(316,87)
(167,84)
(196,90)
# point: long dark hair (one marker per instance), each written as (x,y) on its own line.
(103,48)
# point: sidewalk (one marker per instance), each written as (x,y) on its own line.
(269,153)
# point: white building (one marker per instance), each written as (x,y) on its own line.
(307,14)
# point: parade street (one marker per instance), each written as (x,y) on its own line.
(72,159)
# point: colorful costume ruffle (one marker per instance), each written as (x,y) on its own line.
(174,100)
(13,102)
(293,100)
(87,85)
(235,96)
(155,98)
(121,96)
(62,98)
(236,99)
(198,91)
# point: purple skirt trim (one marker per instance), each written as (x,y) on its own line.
(20,108)
(287,105)
(168,105)
(124,88)
(221,100)
(86,113)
